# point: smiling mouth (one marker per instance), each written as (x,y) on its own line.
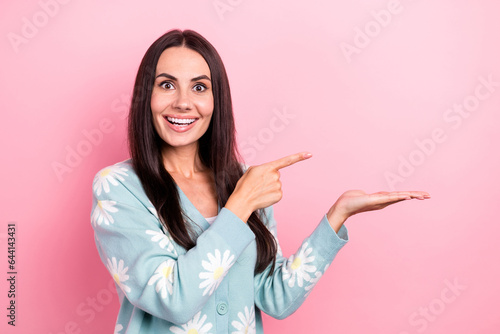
(180,122)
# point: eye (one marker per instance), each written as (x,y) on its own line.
(199,88)
(167,85)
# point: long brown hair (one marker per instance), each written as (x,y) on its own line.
(217,146)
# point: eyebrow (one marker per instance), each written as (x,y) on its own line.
(171,77)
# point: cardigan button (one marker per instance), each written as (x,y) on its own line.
(222,308)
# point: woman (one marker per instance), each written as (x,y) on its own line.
(185,229)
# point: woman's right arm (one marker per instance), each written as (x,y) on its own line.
(143,260)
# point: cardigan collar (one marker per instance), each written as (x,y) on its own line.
(192,211)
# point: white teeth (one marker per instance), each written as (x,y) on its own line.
(185,121)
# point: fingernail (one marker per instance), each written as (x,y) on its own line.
(307,155)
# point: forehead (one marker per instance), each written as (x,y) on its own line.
(182,62)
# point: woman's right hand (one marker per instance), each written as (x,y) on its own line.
(260,186)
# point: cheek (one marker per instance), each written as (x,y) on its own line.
(206,107)
(156,104)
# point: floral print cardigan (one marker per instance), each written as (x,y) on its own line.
(212,288)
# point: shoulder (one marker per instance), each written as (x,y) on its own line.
(120,171)
(119,180)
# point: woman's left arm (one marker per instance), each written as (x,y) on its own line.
(281,294)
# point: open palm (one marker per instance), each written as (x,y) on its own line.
(352,202)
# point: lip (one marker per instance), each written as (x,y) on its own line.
(180,128)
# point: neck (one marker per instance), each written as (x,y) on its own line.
(182,160)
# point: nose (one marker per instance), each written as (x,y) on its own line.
(182,100)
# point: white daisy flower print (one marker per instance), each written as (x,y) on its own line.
(297,267)
(163,240)
(193,326)
(118,329)
(153,211)
(273,232)
(164,278)
(107,176)
(216,269)
(102,211)
(246,325)
(315,280)
(119,273)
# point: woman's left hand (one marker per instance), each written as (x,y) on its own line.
(355,201)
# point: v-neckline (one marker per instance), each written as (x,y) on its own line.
(189,207)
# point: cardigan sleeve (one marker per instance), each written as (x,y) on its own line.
(281,294)
(143,260)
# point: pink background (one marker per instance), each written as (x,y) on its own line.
(379,108)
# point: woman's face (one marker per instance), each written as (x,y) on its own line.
(182,100)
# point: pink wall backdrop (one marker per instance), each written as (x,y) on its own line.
(386,94)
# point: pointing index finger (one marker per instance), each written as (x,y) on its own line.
(289,160)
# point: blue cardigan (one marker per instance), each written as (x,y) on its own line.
(212,287)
